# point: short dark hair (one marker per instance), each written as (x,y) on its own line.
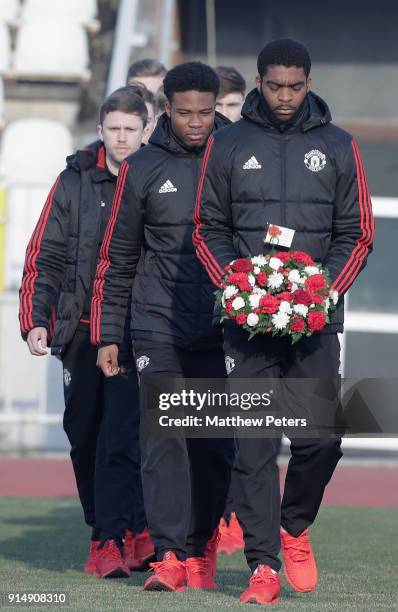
(231,81)
(191,76)
(126,101)
(143,92)
(146,67)
(284,52)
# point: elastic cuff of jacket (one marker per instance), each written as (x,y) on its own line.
(103,344)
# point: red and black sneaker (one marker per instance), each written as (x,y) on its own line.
(110,563)
(300,566)
(264,587)
(168,574)
(128,548)
(89,568)
(144,552)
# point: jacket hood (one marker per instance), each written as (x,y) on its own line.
(164,137)
(89,157)
(319,113)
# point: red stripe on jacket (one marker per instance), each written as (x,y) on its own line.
(30,268)
(98,291)
(212,266)
(361,249)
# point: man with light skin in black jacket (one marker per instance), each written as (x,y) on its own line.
(58,276)
(283,164)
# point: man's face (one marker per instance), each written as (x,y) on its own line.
(230,105)
(150,126)
(284,89)
(153,83)
(192,116)
(121,134)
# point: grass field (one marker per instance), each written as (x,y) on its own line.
(43,546)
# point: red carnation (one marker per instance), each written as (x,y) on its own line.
(242,265)
(316,298)
(316,320)
(284,256)
(269,304)
(302,258)
(262,279)
(240,279)
(315,282)
(297,325)
(228,306)
(241,318)
(300,296)
(284,296)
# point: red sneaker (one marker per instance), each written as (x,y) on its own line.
(169,574)
(264,587)
(144,552)
(89,568)
(227,543)
(236,532)
(110,563)
(128,548)
(300,567)
(201,571)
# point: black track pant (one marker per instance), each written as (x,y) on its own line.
(255,477)
(185,481)
(101,421)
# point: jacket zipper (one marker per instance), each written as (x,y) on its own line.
(283,181)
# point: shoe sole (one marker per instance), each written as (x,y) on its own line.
(254,600)
(309,590)
(158,585)
(119,572)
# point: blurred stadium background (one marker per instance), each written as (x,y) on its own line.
(59,59)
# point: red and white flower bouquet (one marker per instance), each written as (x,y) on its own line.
(283,293)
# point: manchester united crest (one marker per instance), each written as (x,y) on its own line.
(315,160)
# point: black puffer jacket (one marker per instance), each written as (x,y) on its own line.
(308,177)
(62,254)
(149,242)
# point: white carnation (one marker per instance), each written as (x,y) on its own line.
(327,304)
(284,306)
(238,303)
(311,270)
(254,299)
(280,319)
(294,287)
(275,280)
(230,291)
(259,291)
(275,263)
(251,280)
(301,309)
(335,296)
(256,270)
(252,319)
(259,260)
(294,276)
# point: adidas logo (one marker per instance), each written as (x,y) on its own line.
(167,187)
(251,164)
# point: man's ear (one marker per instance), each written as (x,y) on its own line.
(99,129)
(309,84)
(167,107)
(258,83)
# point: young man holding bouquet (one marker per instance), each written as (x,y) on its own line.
(282,178)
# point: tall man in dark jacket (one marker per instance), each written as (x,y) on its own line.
(148,242)
(284,164)
(101,416)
